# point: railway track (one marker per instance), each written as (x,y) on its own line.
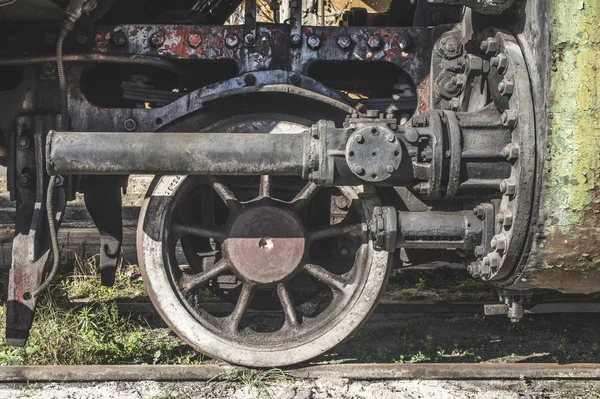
(355,371)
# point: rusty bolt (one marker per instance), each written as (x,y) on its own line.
(420,121)
(505,218)
(479,211)
(486,270)
(511,152)
(506,87)
(359,170)
(231,40)
(509,118)
(427,154)
(295,39)
(49,68)
(314,42)
(390,169)
(475,269)
(194,40)
(130,125)
(249,39)
(411,135)
(374,42)
(344,42)
(499,242)
(454,104)
(404,42)
(422,188)
(475,65)
(479,251)
(495,261)
(508,186)
(24,143)
(81,38)
(25,179)
(500,62)
(295,79)
(450,46)
(250,79)
(119,38)
(157,39)
(490,46)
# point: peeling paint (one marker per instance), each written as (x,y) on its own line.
(571,193)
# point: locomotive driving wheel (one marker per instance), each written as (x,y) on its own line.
(290,263)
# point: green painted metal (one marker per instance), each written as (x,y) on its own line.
(566,252)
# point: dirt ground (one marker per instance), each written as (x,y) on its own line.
(317,389)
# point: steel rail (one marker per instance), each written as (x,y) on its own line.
(357,371)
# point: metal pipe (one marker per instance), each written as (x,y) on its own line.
(461,230)
(177,153)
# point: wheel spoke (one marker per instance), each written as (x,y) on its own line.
(303,197)
(265,186)
(225,193)
(333,280)
(189,282)
(288,305)
(335,231)
(180,229)
(235,317)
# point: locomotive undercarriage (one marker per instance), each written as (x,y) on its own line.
(295,165)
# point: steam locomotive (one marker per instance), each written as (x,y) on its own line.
(301,150)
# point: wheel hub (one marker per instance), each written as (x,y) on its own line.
(265,244)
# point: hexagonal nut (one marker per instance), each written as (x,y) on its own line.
(314,42)
(374,42)
(344,42)
(454,104)
(508,186)
(510,118)
(157,39)
(499,242)
(194,40)
(505,218)
(231,40)
(500,62)
(474,65)
(422,188)
(490,46)
(506,87)
(420,121)
(450,46)
(130,125)
(511,151)
(295,39)
(495,261)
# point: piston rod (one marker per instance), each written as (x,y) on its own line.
(177,153)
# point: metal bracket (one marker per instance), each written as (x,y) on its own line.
(102,196)
(31,243)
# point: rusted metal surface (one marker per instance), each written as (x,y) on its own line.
(207,153)
(31,246)
(565,252)
(274,50)
(265,244)
(358,371)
